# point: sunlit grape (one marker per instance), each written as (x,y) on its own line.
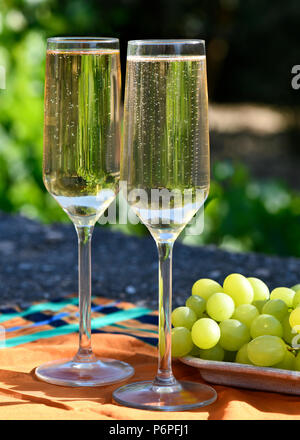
(294,319)
(205,333)
(197,304)
(275,307)
(206,287)
(296,287)
(260,289)
(246,313)
(183,317)
(266,350)
(284,293)
(220,306)
(239,288)
(296,299)
(182,342)
(288,334)
(287,362)
(266,325)
(234,334)
(242,356)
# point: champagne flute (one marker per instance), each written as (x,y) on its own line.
(165,163)
(81,171)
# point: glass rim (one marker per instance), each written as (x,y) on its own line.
(166,47)
(82,39)
(166,41)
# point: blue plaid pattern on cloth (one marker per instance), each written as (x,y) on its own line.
(61,316)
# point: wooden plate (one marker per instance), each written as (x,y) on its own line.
(246,376)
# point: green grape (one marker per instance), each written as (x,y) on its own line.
(194,351)
(294,320)
(197,304)
(266,325)
(205,333)
(260,289)
(234,334)
(242,356)
(245,313)
(259,304)
(296,299)
(284,293)
(276,307)
(229,356)
(182,342)
(183,317)
(295,287)
(287,362)
(206,287)
(215,353)
(288,334)
(297,362)
(266,350)
(239,288)
(220,306)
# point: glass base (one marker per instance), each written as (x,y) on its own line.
(71,373)
(182,396)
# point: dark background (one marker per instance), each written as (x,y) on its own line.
(252,45)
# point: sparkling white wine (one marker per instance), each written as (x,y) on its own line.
(165,157)
(81,131)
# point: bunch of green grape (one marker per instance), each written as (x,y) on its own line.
(240,321)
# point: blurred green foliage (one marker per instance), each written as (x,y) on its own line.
(240,213)
(243,214)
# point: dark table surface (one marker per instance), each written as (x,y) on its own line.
(39,262)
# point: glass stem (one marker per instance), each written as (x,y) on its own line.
(84,234)
(164,376)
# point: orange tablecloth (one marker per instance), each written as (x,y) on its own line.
(23,396)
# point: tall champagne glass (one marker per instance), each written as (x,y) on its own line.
(81,171)
(165,162)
